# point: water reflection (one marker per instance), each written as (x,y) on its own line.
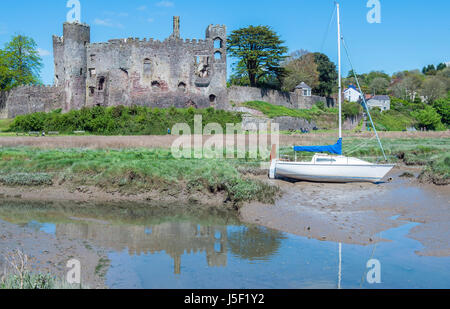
(173,238)
(184,247)
(174,235)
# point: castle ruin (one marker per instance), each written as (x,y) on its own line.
(175,72)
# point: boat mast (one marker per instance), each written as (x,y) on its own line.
(339,69)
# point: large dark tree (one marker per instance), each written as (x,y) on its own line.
(259,52)
(20,63)
(327,75)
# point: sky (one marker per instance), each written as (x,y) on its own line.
(410,35)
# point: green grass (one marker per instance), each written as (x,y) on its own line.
(34,281)
(431,153)
(273,111)
(5,124)
(393,120)
(133,171)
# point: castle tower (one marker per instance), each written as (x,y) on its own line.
(75,39)
(218,34)
(176,27)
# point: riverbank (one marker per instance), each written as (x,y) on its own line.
(360,213)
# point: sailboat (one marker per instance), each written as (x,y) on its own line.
(335,167)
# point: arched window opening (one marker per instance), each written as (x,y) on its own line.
(91,91)
(101,83)
(218,55)
(212,98)
(147,67)
(182,86)
(156,84)
(218,43)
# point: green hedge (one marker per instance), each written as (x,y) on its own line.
(120,120)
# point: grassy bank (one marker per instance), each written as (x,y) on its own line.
(120,120)
(433,154)
(5,124)
(133,171)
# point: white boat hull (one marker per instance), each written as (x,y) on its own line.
(342,170)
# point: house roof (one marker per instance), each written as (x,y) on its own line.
(302,85)
(351,87)
(381,98)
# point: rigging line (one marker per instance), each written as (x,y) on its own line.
(363,97)
(352,150)
(328,30)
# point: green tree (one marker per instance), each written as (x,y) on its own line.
(327,75)
(379,85)
(433,88)
(441,66)
(302,69)
(5,72)
(429,70)
(428,118)
(442,106)
(22,60)
(259,52)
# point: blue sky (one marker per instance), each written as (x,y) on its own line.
(412,33)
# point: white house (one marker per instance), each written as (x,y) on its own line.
(304,89)
(352,94)
(383,102)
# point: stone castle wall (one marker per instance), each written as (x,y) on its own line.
(31,99)
(238,94)
(174,72)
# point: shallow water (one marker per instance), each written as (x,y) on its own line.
(215,250)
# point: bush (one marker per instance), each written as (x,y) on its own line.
(428,118)
(120,120)
(351,109)
(442,107)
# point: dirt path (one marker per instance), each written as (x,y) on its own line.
(119,142)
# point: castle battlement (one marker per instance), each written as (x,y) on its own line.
(76,23)
(151,42)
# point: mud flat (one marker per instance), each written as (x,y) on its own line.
(359,213)
(49,254)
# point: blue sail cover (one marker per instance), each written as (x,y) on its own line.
(334,149)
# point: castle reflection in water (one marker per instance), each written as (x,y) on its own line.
(173,238)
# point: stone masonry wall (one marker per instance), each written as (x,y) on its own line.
(32,99)
(238,94)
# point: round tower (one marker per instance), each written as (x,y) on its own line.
(76,37)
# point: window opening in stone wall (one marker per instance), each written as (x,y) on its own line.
(92,72)
(182,86)
(156,84)
(101,83)
(218,55)
(212,98)
(147,66)
(91,91)
(218,43)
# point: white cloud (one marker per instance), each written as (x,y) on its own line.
(150,20)
(165,4)
(142,8)
(43,52)
(107,23)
